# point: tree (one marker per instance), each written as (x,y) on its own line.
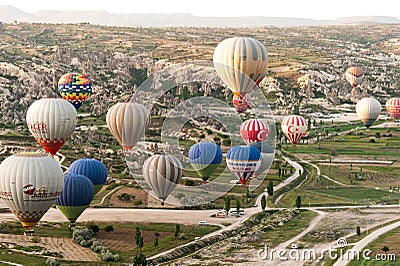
(156,235)
(298,202)
(177,229)
(296,110)
(227,203)
(138,234)
(237,207)
(270,188)
(358,231)
(247,194)
(309,125)
(263,202)
(140,260)
(385,249)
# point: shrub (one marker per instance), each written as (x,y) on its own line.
(52,262)
(93,227)
(109,228)
(189,182)
(138,202)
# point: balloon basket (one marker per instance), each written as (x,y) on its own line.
(29,232)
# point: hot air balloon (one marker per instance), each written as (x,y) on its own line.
(368,110)
(75,88)
(240,62)
(241,103)
(162,173)
(254,130)
(243,161)
(29,184)
(128,123)
(267,156)
(355,76)
(205,158)
(77,193)
(51,122)
(93,169)
(294,127)
(393,108)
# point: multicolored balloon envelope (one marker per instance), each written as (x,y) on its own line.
(162,173)
(93,169)
(75,88)
(128,123)
(294,127)
(267,156)
(241,103)
(355,76)
(205,158)
(254,130)
(243,161)
(29,184)
(368,110)
(51,122)
(240,62)
(393,108)
(77,193)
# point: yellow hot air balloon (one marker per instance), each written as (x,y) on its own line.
(29,184)
(162,173)
(368,110)
(128,123)
(51,122)
(240,62)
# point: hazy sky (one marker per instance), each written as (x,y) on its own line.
(316,9)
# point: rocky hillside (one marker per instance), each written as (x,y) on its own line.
(306,64)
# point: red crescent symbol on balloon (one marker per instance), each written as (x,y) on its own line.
(262,135)
(290,129)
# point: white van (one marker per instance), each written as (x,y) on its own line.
(233,211)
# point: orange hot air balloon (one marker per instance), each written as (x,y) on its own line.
(393,108)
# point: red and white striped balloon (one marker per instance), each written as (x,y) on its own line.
(393,108)
(254,130)
(294,127)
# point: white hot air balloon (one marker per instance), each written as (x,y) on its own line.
(30,183)
(368,110)
(240,62)
(51,122)
(162,173)
(128,123)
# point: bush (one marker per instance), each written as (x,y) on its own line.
(93,227)
(108,256)
(81,233)
(52,262)
(189,182)
(109,228)
(138,202)
(183,236)
(372,140)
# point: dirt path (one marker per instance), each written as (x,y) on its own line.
(65,246)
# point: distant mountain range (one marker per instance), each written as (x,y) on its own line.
(10,14)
